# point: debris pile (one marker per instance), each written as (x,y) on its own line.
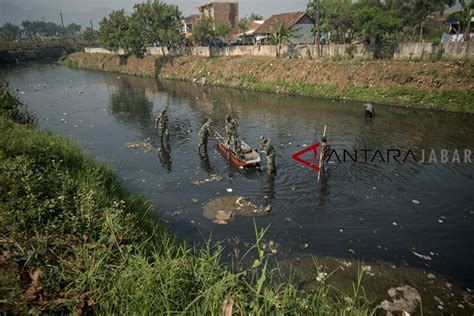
(405,299)
(212,178)
(222,210)
(147,147)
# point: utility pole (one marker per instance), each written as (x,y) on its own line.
(62,21)
(318,27)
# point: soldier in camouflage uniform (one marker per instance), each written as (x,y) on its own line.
(266,147)
(204,133)
(325,152)
(233,138)
(161,126)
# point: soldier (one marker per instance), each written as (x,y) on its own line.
(325,152)
(369,111)
(204,133)
(233,138)
(266,147)
(161,125)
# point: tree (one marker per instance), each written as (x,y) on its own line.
(279,34)
(422,9)
(154,22)
(222,30)
(314,11)
(90,35)
(374,22)
(203,31)
(255,17)
(73,29)
(113,31)
(338,19)
(465,16)
(10,32)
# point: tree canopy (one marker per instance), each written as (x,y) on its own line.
(114,30)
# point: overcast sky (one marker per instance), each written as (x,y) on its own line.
(81,11)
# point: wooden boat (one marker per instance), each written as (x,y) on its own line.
(249,157)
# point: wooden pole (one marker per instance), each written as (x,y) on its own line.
(320,156)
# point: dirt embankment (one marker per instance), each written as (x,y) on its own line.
(434,85)
(132,65)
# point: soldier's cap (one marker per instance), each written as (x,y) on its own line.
(324,139)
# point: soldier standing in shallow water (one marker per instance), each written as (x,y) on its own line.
(204,133)
(325,152)
(161,126)
(267,148)
(233,137)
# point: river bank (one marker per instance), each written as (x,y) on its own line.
(445,86)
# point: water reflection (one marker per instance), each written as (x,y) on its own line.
(164,154)
(129,104)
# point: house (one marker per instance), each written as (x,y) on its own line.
(299,22)
(236,33)
(455,31)
(220,12)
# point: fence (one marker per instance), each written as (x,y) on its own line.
(454,50)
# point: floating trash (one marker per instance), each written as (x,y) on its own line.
(229,190)
(224,209)
(212,178)
(415,201)
(147,147)
(419,255)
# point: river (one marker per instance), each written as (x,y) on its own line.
(377,210)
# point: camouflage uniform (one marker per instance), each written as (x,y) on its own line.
(325,152)
(161,126)
(267,148)
(233,137)
(204,133)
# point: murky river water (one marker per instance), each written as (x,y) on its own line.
(359,210)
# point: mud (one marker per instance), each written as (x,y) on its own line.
(393,288)
(224,209)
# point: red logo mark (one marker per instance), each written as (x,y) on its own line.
(297,156)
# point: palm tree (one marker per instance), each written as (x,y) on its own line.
(280,33)
(465,16)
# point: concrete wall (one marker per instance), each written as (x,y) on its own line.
(390,51)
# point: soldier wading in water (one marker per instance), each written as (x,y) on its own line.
(161,126)
(204,133)
(233,140)
(266,147)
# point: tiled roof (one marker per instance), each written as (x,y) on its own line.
(288,19)
(235,31)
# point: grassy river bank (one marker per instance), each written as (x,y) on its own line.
(72,240)
(437,85)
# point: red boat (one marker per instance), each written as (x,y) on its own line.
(249,157)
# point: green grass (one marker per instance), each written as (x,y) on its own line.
(455,101)
(100,251)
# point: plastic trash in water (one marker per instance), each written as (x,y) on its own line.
(229,190)
(419,255)
(415,201)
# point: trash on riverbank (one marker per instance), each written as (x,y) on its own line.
(212,178)
(147,147)
(224,209)
(405,299)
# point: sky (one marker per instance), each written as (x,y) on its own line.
(82,11)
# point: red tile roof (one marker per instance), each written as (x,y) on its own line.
(288,19)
